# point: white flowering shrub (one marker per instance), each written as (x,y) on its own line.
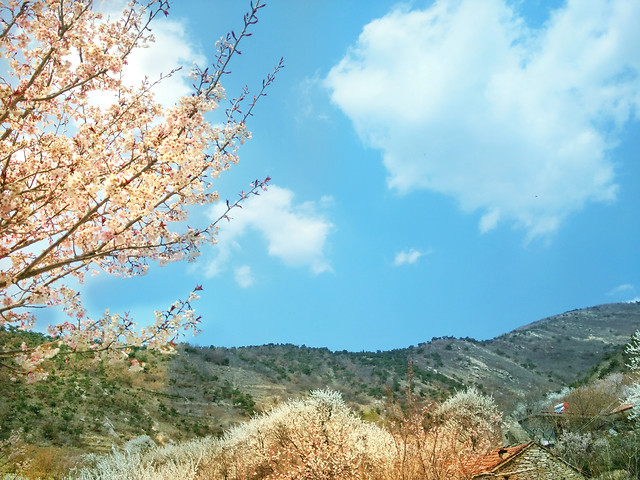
(633,395)
(575,447)
(472,417)
(314,438)
(142,459)
(439,442)
(13,456)
(317,438)
(633,350)
(633,398)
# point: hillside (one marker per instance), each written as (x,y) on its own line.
(85,406)
(543,356)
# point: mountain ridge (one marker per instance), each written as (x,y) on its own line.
(204,390)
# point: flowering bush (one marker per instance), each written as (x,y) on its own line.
(633,396)
(141,459)
(633,350)
(315,438)
(442,441)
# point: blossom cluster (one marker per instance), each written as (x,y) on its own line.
(633,351)
(86,188)
(633,396)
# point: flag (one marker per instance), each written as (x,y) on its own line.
(561,407)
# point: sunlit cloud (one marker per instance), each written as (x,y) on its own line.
(296,234)
(462,98)
(171,51)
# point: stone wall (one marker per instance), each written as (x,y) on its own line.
(535,463)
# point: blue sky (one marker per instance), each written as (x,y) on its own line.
(439,168)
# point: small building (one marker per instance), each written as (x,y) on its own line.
(528,461)
(547,426)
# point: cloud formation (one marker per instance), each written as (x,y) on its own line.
(408,257)
(171,50)
(621,289)
(463,99)
(295,234)
(243,276)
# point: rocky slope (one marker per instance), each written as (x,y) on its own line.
(204,390)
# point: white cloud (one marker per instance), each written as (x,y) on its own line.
(408,257)
(243,276)
(307,92)
(296,234)
(621,289)
(170,50)
(463,99)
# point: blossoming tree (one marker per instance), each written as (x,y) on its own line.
(633,398)
(443,441)
(86,187)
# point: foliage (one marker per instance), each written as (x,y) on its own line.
(633,350)
(597,398)
(583,450)
(19,460)
(69,412)
(141,459)
(603,444)
(314,438)
(13,457)
(92,182)
(193,394)
(600,454)
(474,416)
(632,446)
(633,397)
(439,441)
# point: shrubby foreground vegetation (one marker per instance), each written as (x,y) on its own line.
(320,438)
(589,436)
(411,435)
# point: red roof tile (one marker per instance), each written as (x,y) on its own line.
(492,459)
(622,408)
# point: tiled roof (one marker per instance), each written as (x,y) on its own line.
(493,459)
(622,408)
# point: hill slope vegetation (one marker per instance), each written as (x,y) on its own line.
(88,407)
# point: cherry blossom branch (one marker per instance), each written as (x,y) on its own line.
(83,186)
(92,338)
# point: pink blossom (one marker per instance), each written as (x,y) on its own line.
(116,178)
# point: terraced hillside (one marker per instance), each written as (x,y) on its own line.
(88,406)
